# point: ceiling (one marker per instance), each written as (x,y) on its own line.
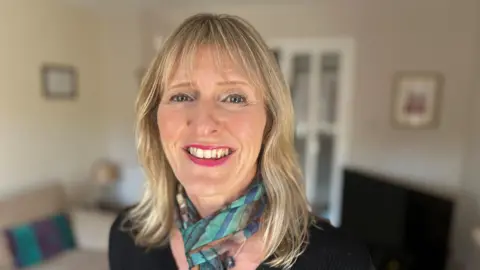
(121,4)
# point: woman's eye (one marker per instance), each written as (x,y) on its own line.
(235,98)
(180,98)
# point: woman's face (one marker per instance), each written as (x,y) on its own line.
(211,125)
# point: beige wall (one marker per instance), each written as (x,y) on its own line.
(122,54)
(40,139)
(469,204)
(469,208)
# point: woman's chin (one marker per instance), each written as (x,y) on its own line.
(203,186)
(193,175)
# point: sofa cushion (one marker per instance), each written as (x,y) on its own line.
(64,228)
(75,260)
(34,242)
(24,245)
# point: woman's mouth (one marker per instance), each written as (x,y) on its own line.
(207,155)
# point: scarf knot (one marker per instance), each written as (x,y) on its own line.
(205,239)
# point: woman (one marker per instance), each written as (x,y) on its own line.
(215,136)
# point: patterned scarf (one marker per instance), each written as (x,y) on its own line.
(205,238)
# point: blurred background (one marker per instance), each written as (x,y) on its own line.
(387,111)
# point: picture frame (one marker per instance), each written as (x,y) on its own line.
(59,81)
(416,99)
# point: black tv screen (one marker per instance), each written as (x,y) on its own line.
(397,222)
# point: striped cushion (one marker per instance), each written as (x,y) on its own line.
(63,225)
(40,240)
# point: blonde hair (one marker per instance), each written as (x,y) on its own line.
(286,218)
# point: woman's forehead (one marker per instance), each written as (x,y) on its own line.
(206,60)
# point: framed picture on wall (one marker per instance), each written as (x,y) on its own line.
(416,99)
(59,81)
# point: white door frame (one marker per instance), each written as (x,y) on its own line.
(344,111)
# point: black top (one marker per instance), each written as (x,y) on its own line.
(329,249)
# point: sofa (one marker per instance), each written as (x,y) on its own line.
(89,229)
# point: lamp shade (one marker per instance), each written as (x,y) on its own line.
(105,172)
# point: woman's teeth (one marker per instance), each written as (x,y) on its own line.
(210,153)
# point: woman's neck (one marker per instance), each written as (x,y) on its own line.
(207,205)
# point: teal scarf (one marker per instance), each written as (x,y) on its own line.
(204,238)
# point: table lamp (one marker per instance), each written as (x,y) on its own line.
(104,175)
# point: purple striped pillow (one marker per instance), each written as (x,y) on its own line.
(48,238)
(36,241)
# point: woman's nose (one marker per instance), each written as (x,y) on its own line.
(204,119)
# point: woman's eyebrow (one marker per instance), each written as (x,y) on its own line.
(188,84)
(181,84)
(235,82)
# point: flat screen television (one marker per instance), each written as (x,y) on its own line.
(404,228)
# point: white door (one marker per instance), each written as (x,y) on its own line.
(320,74)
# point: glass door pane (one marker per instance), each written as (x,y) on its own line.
(329,63)
(300,83)
(325,166)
